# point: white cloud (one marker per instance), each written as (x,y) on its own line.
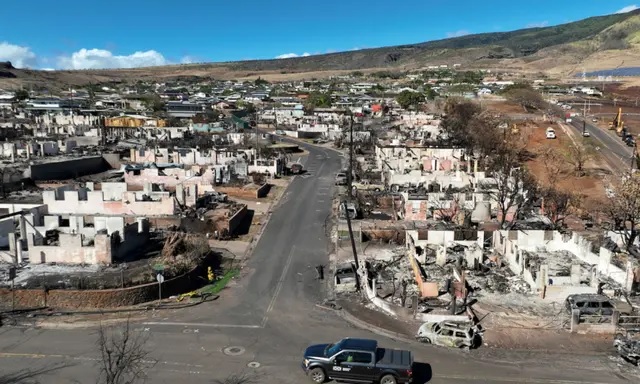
(101,58)
(20,57)
(538,25)
(47,69)
(188,60)
(628,8)
(462,32)
(292,55)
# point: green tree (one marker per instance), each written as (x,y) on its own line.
(468,77)
(21,94)
(154,103)
(408,99)
(319,100)
(260,82)
(430,93)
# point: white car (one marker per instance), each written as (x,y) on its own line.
(551,133)
(586,134)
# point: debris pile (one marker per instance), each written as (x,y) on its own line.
(497,281)
(181,245)
(627,348)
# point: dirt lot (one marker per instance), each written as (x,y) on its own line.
(503,107)
(590,185)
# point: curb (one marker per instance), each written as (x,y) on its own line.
(351,319)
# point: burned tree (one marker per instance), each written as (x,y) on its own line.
(552,162)
(558,204)
(623,207)
(123,355)
(483,134)
(578,155)
(514,189)
(454,126)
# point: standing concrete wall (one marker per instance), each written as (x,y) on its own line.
(67,169)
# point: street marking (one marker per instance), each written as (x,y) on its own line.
(278,287)
(86,358)
(28,355)
(204,325)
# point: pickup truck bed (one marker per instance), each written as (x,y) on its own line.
(393,358)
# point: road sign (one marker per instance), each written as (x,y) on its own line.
(160,278)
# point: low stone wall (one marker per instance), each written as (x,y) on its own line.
(105,298)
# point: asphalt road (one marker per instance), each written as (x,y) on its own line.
(267,317)
(614,151)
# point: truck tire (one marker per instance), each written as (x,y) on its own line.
(388,379)
(317,375)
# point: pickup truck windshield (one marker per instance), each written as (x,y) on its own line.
(333,349)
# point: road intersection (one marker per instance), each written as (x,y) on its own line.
(264,320)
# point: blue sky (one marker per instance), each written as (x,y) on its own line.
(79,34)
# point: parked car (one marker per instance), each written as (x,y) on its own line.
(449,334)
(357,360)
(341,178)
(551,133)
(366,185)
(296,168)
(586,134)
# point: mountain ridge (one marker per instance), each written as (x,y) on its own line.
(560,49)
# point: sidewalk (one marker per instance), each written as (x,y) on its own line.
(506,338)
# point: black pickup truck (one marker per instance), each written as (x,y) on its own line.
(357,360)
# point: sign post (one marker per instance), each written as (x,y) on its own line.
(12,276)
(159,268)
(160,278)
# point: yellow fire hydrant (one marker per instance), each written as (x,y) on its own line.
(210,274)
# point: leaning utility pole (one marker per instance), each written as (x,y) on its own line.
(349,200)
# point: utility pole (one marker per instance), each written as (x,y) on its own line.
(257,143)
(350,176)
(634,156)
(349,200)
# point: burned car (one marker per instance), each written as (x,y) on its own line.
(449,334)
(628,348)
(345,278)
(593,304)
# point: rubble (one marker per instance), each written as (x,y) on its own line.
(628,348)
